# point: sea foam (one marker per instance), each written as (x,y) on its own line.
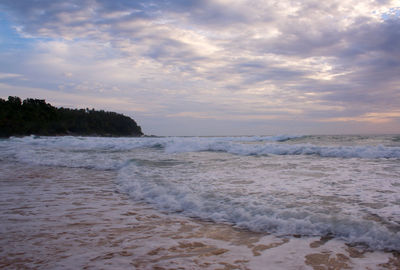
(249,212)
(265,149)
(113,153)
(308,185)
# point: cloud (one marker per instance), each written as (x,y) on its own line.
(216,59)
(9,75)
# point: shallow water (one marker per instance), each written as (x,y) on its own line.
(74,218)
(345,187)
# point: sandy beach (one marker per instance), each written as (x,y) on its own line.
(66,218)
(215,135)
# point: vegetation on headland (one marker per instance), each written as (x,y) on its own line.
(36,117)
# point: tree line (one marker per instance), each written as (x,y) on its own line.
(35,116)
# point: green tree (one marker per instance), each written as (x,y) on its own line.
(35,116)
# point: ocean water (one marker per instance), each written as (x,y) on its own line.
(345,187)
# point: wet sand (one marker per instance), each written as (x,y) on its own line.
(63,218)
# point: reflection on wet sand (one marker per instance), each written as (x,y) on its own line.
(63,218)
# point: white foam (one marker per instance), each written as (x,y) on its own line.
(267,183)
(248,214)
(284,149)
(350,200)
(247,146)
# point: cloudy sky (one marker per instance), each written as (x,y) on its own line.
(212,67)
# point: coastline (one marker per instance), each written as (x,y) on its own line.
(74,218)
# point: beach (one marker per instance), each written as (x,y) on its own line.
(216,135)
(75,218)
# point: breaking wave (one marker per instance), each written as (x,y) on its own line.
(224,183)
(251,213)
(245,146)
(287,149)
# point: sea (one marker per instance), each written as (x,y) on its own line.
(343,187)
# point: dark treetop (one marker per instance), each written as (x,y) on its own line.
(35,116)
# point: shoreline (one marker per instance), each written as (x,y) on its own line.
(58,217)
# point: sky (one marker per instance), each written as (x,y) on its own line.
(211,67)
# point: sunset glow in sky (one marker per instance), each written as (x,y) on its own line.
(212,67)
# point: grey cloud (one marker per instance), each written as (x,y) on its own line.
(32,14)
(365,55)
(35,14)
(374,56)
(369,37)
(277,76)
(74,18)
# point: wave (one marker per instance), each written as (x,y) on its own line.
(249,213)
(266,149)
(126,143)
(246,146)
(152,169)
